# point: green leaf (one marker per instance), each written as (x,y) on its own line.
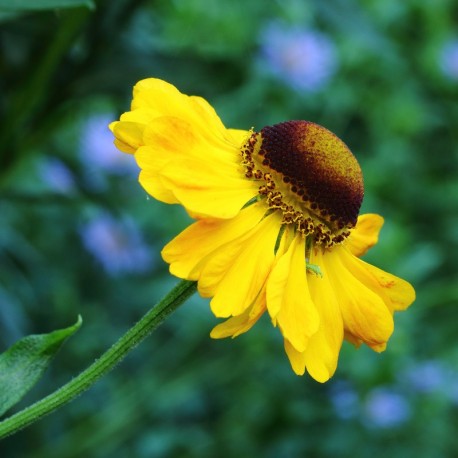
(24,362)
(36,5)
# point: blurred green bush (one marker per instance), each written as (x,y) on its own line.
(79,236)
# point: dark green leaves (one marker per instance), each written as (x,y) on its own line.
(35,5)
(23,363)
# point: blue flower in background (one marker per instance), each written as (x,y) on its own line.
(96,148)
(56,175)
(448,59)
(117,244)
(344,399)
(304,59)
(386,408)
(427,376)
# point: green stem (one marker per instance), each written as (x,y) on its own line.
(104,364)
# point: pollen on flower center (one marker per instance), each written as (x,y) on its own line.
(310,175)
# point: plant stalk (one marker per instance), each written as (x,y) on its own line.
(150,321)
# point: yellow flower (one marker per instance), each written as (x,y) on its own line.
(277,226)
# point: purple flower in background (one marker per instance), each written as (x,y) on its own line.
(452,389)
(304,59)
(97,149)
(117,244)
(427,376)
(385,408)
(344,399)
(448,59)
(56,175)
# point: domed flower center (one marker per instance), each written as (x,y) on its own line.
(310,175)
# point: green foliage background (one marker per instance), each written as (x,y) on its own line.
(182,394)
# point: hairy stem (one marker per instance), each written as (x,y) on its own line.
(104,364)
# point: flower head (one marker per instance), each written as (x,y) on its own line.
(277,227)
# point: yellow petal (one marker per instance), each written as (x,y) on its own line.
(365,313)
(238,137)
(129,135)
(400,293)
(167,100)
(206,179)
(153,93)
(322,352)
(154,184)
(140,116)
(154,98)
(296,358)
(124,147)
(323,349)
(365,234)
(352,339)
(186,139)
(237,325)
(207,195)
(378,347)
(357,343)
(288,298)
(245,276)
(209,238)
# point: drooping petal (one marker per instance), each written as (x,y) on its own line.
(236,284)
(167,100)
(296,358)
(140,115)
(399,292)
(239,324)
(185,140)
(193,159)
(288,298)
(128,135)
(352,339)
(186,252)
(154,98)
(128,131)
(365,234)
(322,353)
(155,186)
(205,178)
(365,313)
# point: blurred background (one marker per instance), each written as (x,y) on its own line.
(78,235)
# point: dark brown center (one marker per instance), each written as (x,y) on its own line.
(319,168)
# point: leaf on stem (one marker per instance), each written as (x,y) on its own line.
(24,363)
(35,5)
